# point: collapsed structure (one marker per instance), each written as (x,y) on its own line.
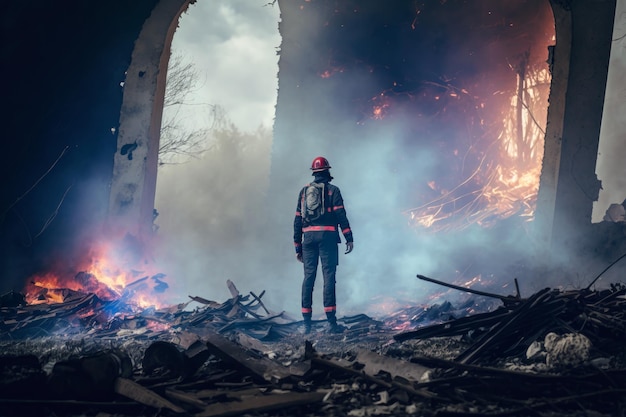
(90,138)
(361,80)
(239,356)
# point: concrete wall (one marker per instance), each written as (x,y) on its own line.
(569,185)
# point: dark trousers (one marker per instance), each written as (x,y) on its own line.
(319,246)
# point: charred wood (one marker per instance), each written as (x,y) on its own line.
(506,299)
(262,368)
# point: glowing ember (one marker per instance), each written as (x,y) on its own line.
(381,107)
(330,72)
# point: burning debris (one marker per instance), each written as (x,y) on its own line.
(555,352)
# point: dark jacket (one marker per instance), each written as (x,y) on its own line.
(335,215)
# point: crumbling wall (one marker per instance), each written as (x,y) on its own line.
(64,68)
(569,185)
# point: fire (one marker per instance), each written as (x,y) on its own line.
(505,182)
(381,105)
(332,70)
(106,270)
(379,111)
(327,73)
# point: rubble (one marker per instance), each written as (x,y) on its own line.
(557,353)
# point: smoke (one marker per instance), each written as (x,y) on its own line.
(383,166)
(211,212)
(229,213)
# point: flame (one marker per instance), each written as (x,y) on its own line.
(54,296)
(157,326)
(437,307)
(502,186)
(107,270)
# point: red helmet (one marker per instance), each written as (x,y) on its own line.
(320,164)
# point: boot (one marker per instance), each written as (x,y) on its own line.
(333,327)
(307,323)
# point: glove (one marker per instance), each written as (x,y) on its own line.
(299,257)
(349,247)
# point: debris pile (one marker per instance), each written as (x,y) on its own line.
(555,353)
(81,313)
(512,329)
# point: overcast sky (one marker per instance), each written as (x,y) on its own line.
(234,44)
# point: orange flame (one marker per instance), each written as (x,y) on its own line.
(503,189)
(104,270)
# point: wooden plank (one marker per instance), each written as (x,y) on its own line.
(229,393)
(374,363)
(507,299)
(234,292)
(252,343)
(134,391)
(261,403)
(212,304)
(185,397)
(258,298)
(261,367)
(339,365)
(249,322)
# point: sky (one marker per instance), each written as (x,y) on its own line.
(234,45)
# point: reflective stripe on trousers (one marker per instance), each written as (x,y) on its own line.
(316,247)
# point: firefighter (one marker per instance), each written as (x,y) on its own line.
(316,237)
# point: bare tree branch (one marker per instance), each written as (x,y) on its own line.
(179,142)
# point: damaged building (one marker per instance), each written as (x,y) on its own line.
(93,119)
(421,92)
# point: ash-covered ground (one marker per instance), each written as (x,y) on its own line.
(554,354)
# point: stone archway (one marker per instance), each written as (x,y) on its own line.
(133,185)
(580,41)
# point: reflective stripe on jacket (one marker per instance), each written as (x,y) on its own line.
(319,229)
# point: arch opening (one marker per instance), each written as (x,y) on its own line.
(412,114)
(389,128)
